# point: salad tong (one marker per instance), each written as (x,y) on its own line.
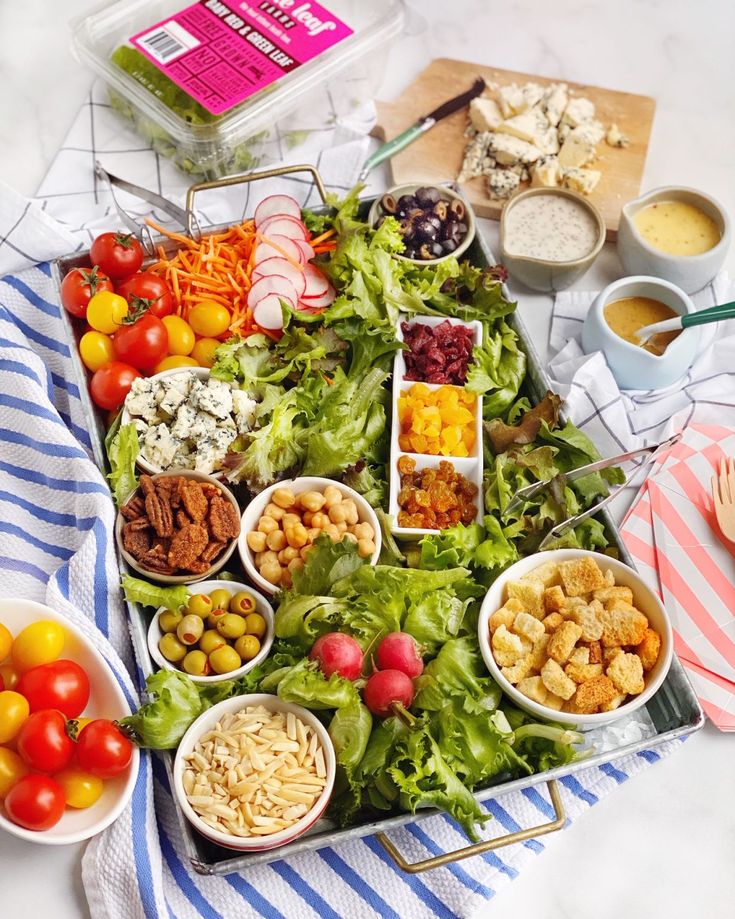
(701,317)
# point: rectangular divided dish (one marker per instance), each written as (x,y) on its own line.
(672,713)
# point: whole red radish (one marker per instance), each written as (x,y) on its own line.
(384,689)
(399,651)
(338,653)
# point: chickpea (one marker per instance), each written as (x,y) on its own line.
(306,518)
(338,513)
(290,520)
(296,536)
(287,555)
(272,572)
(286,578)
(365,547)
(274,511)
(332,496)
(268,558)
(313,534)
(363,531)
(304,552)
(276,540)
(320,520)
(267,525)
(256,540)
(332,532)
(312,501)
(341,528)
(350,537)
(295,564)
(350,508)
(284,497)
(258,559)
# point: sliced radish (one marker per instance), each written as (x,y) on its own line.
(306,249)
(277,205)
(316,284)
(280,267)
(326,299)
(268,313)
(303,307)
(264,287)
(283,226)
(280,247)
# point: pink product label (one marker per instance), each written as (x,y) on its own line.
(222,53)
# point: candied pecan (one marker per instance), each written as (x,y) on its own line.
(194,500)
(156,563)
(146,485)
(140,523)
(198,566)
(182,518)
(211,551)
(167,487)
(136,540)
(159,514)
(187,545)
(224,522)
(134,508)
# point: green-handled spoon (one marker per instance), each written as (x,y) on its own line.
(701,317)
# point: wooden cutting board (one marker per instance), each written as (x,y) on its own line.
(437,156)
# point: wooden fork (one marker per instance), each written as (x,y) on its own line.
(723,494)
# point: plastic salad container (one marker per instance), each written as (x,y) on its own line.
(209,83)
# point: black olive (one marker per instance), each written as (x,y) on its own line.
(440,209)
(407,229)
(449,245)
(462,229)
(450,230)
(458,209)
(416,213)
(437,250)
(434,221)
(425,230)
(406,203)
(410,253)
(388,204)
(427,195)
(425,252)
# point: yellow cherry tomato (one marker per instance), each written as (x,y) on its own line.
(39,643)
(6,641)
(209,319)
(81,789)
(95,349)
(14,710)
(174,361)
(12,768)
(203,352)
(9,676)
(106,311)
(180,335)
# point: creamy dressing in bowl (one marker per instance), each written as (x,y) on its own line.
(552,227)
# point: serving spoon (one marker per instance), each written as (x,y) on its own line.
(701,317)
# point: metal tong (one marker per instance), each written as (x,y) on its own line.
(524,494)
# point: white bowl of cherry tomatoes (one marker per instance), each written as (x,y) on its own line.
(66,770)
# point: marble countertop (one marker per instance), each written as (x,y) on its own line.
(664,843)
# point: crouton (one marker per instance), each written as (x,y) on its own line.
(581,576)
(554,701)
(530,593)
(580,656)
(614,593)
(626,672)
(563,641)
(528,626)
(593,694)
(539,653)
(595,649)
(649,649)
(609,654)
(580,673)
(505,615)
(570,604)
(622,624)
(517,671)
(614,703)
(533,688)
(548,574)
(556,681)
(554,599)
(609,578)
(508,648)
(552,621)
(587,618)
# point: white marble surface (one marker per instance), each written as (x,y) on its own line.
(664,843)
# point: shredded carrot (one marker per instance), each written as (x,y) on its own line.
(318,239)
(282,251)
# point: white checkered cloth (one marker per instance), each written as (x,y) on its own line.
(55,527)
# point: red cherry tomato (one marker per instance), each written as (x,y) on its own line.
(79,286)
(111,383)
(117,254)
(43,743)
(35,802)
(62,685)
(103,749)
(142,343)
(148,290)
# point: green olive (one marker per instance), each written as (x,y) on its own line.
(211,640)
(214,617)
(242,603)
(255,624)
(190,629)
(220,598)
(169,620)
(200,605)
(224,659)
(196,663)
(247,646)
(171,648)
(231,626)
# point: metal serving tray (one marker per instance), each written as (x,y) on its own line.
(672,713)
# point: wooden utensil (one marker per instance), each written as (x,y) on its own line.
(437,156)
(723,495)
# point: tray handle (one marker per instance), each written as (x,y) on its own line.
(192,226)
(487,845)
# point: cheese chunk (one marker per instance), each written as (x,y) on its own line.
(555,101)
(583,181)
(509,150)
(548,141)
(547,173)
(502,183)
(616,138)
(485,114)
(529,126)
(575,152)
(577,112)
(591,131)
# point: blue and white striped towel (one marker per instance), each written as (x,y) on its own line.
(56,520)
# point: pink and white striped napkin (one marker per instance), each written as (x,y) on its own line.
(672,534)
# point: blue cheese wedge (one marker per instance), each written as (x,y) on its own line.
(502,183)
(590,131)
(616,138)
(509,150)
(547,173)
(528,126)
(554,102)
(474,156)
(583,181)
(578,111)
(485,114)
(159,446)
(576,152)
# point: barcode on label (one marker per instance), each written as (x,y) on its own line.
(168,41)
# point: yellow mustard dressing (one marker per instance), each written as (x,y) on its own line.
(677,228)
(627,315)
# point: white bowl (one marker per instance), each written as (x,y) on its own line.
(262,606)
(105,701)
(254,511)
(645,600)
(206,722)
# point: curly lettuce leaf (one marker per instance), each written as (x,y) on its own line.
(498,368)
(305,684)
(122,453)
(457,671)
(326,563)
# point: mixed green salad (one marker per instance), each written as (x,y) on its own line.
(324,410)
